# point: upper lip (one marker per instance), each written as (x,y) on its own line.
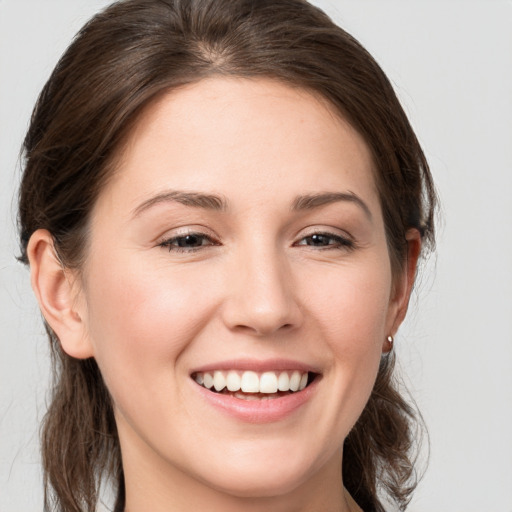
(257,365)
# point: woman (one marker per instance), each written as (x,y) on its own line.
(223,206)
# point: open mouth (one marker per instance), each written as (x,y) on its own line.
(250,385)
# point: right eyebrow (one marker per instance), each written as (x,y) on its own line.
(194,199)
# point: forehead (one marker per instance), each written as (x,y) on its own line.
(229,135)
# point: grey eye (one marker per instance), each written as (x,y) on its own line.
(191,241)
(319,240)
(326,240)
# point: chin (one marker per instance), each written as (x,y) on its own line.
(242,486)
(262,480)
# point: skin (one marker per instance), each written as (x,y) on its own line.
(257,287)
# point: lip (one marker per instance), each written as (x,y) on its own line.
(257,366)
(258,411)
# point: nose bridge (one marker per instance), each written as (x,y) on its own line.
(262,298)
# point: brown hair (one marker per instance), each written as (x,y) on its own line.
(119,62)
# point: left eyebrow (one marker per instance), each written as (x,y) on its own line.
(310,201)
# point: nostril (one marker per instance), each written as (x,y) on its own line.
(245,329)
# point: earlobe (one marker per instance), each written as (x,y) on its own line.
(404,286)
(55,290)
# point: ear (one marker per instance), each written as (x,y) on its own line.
(56,289)
(404,283)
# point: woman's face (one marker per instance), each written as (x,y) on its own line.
(240,240)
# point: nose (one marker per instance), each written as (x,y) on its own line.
(262,298)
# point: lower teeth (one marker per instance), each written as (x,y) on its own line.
(254,396)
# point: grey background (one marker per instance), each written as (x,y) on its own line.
(451,63)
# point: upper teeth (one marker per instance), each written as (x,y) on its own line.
(252,382)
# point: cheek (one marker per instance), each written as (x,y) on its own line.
(140,320)
(352,304)
(351,311)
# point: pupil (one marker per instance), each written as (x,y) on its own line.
(319,240)
(189,241)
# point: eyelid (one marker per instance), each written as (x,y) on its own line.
(320,229)
(187,229)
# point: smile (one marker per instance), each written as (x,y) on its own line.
(251,385)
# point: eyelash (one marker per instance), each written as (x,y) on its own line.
(172,244)
(340,241)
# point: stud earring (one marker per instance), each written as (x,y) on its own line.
(389,344)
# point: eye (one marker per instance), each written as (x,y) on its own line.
(326,241)
(187,242)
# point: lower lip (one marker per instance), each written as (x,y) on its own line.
(259,411)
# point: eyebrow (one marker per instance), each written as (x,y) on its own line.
(218,203)
(310,201)
(194,199)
